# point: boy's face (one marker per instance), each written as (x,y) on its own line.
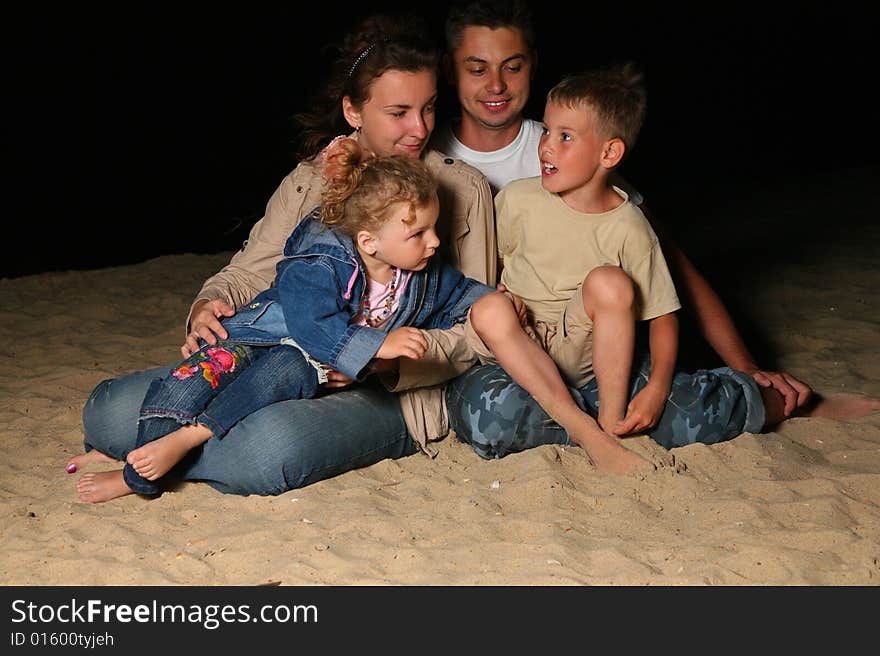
(570,149)
(408,244)
(492,71)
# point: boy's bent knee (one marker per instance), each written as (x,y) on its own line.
(487,310)
(608,286)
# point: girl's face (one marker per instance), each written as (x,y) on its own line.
(403,243)
(398,117)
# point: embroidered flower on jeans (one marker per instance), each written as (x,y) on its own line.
(214,361)
(185,371)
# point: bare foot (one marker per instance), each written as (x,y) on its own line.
(154,459)
(842,406)
(610,456)
(77,462)
(102,486)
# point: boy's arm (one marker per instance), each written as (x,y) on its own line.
(717,327)
(646,407)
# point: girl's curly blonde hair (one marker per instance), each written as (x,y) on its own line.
(360,187)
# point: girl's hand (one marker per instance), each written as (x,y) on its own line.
(336,379)
(205,324)
(406,342)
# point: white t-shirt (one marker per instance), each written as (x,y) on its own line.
(517,160)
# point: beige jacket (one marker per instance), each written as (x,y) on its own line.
(466,228)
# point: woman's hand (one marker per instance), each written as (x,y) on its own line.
(205,324)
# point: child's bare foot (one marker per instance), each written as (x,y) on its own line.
(610,456)
(77,462)
(102,486)
(154,459)
(842,406)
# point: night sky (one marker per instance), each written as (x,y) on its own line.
(131,135)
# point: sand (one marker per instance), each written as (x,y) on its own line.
(797,506)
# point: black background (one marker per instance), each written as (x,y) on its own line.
(133,133)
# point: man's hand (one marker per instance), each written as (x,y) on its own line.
(205,324)
(406,342)
(795,392)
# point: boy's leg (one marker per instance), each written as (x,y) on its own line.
(706,407)
(495,322)
(608,299)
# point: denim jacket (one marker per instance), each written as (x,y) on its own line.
(317,295)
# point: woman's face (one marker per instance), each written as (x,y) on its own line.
(398,116)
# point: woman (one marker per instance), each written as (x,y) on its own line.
(384,87)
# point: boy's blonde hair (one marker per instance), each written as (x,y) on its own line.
(360,188)
(617,95)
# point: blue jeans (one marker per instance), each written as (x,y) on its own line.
(218,386)
(281,447)
(496,416)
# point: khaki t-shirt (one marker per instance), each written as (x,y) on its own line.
(548,249)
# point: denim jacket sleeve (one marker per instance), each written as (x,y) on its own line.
(318,317)
(455,295)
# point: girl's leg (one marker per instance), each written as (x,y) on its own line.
(495,321)
(281,447)
(262,376)
(172,405)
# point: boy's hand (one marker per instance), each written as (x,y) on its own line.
(406,342)
(644,411)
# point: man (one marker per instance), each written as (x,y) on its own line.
(490,61)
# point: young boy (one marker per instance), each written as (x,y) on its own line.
(582,257)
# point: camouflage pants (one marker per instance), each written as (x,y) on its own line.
(496,416)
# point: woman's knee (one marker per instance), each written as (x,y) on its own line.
(608,287)
(110,414)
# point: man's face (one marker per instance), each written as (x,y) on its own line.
(492,71)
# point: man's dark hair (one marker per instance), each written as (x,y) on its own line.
(488,13)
